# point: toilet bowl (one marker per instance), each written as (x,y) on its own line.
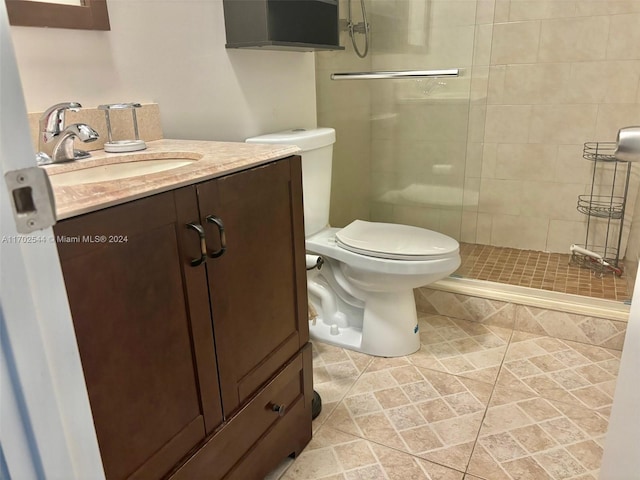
(363,292)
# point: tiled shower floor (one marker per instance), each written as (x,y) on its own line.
(547,271)
(475,402)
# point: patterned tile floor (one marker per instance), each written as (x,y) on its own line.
(546,271)
(475,402)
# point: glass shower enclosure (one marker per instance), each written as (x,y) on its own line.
(406,143)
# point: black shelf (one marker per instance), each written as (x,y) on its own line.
(293,25)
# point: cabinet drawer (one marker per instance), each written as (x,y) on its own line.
(291,388)
(281,440)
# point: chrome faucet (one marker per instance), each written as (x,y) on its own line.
(56,141)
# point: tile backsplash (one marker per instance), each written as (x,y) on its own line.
(149,126)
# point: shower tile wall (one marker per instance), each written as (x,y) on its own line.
(560,73)
(495,156)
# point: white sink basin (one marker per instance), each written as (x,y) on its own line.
(117,171)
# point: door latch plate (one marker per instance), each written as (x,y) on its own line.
(32,199)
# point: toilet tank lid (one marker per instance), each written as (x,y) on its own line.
(304,139)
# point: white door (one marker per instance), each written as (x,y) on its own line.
(45,418)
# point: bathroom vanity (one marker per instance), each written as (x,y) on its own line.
(189,307)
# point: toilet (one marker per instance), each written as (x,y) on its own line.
(361,297)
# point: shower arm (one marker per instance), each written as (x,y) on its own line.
(453,72)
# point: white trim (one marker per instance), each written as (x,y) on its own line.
(18,449)
(52,435)
(620,460)
(563,302)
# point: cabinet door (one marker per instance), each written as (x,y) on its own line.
(142,321)
(258,286)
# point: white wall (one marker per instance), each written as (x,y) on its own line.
(171,53)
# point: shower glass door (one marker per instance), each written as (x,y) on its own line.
(405,148)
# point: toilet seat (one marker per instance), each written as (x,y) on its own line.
(394,241)
(325,243)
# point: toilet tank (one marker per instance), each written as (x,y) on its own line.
(317,153)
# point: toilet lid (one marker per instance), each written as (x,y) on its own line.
(393,241)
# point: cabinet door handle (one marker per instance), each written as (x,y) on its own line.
(223,239)
(203,244)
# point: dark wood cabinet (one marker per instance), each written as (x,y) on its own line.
(255,286)
(184,361)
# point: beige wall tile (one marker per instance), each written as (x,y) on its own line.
(450,47)
(469,227)
(536,83)
(563,124)
(573,39)
(482,44)
(471,194)
(550,200)
(500,196)
(450,222)
(495,88)
(473,163)
(612,118)
(515,42)
(520,231)
(477,123)
(508,123)
(419,216)
(351,166)
(438,123)
(590,84)
(564,233)
(485,11)
(381,212)
(489,158)
(382,183)
(445,12)
(339,95)
(501,13)
(570,166)
(526,161)
(383,156)
(479,84)
(536,10)
(483,233)
(600,7)
(625,43)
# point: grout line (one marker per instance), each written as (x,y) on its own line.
(466,471)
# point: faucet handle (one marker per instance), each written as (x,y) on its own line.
(52,120)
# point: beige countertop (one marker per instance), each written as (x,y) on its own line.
(213,159)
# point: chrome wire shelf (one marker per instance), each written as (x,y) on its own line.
(603,237)
(600,151)
(601,206)
(609,255)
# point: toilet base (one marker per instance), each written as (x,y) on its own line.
(387,326)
